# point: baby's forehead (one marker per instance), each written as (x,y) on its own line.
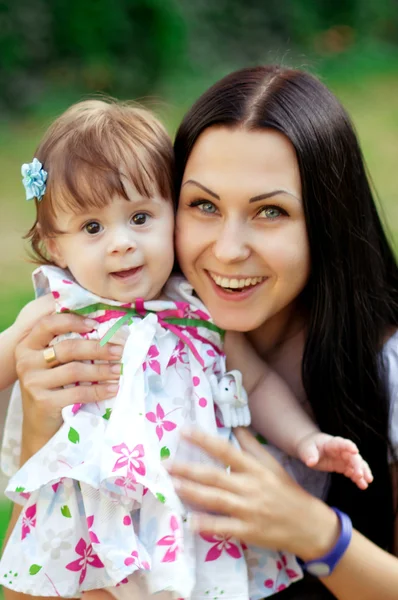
(133,200)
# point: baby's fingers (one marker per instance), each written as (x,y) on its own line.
(358,471)
(367,472)
(308,452)
(340,446)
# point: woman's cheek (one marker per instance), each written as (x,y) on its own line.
(187,237)
(292,259)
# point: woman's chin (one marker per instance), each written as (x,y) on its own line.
(242,323)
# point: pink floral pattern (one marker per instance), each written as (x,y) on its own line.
(173,540)
(133,559)
(130,458)
(161,423)
(220,543)
(179,355)
(28,520)
(93,536)
(154,364)
(87,558)
(128,482)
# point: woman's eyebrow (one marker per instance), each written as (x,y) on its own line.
(202,187)
(271,194)
(254,199)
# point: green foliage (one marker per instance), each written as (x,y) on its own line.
(122,47)
(133,48)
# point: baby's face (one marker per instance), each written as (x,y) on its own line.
(122,251)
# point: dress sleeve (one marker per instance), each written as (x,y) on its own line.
(390,363)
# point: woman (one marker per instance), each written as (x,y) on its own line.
(273,191)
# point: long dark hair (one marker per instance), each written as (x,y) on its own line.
(352,294)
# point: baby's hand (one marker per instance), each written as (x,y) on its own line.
(335,454)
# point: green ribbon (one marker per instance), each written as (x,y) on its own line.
(132,312)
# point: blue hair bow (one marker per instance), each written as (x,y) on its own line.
(34,179)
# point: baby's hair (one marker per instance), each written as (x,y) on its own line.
(89,151)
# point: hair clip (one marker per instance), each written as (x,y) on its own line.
(34,179)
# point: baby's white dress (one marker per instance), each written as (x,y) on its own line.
(100,510)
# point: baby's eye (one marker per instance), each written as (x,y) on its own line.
(272,212)
(139,218)
(93,227)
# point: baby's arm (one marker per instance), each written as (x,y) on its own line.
(277,416)
(29,315)
(276,413)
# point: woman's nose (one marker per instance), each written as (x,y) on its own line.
(231,244)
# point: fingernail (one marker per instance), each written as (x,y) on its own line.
(193,522)
(116,368)
(186,431)
(90,323)
(116,350)
(120,337)
(113,388)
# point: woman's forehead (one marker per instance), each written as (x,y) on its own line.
(236,157)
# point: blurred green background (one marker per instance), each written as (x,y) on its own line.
(165,53)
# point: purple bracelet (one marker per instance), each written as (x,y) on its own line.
(324,566)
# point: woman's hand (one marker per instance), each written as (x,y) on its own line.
(257,501)
(42,383)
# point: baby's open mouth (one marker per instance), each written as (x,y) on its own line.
(126,273)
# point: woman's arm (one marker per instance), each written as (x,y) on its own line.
(260,504)
(42,384)
(27,318)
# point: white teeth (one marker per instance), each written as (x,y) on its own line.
(235,283)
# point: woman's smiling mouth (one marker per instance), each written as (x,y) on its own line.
(235,288)
(238,283)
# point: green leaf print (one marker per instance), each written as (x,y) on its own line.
(33,569)
(107,414)
(66,512)
(164,453)
(73,436)
(160,497)
(20,489)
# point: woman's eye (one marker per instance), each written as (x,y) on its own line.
(139,218)
(272,212)
(204,206)
(93,227)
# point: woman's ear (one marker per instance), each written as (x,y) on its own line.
(53,249)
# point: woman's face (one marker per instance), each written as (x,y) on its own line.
(241,235)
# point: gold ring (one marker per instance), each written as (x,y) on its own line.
(49,355)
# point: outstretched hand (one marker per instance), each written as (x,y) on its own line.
(325,452)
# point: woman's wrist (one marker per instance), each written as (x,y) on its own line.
(321,532)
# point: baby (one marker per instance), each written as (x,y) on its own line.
(100,510)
